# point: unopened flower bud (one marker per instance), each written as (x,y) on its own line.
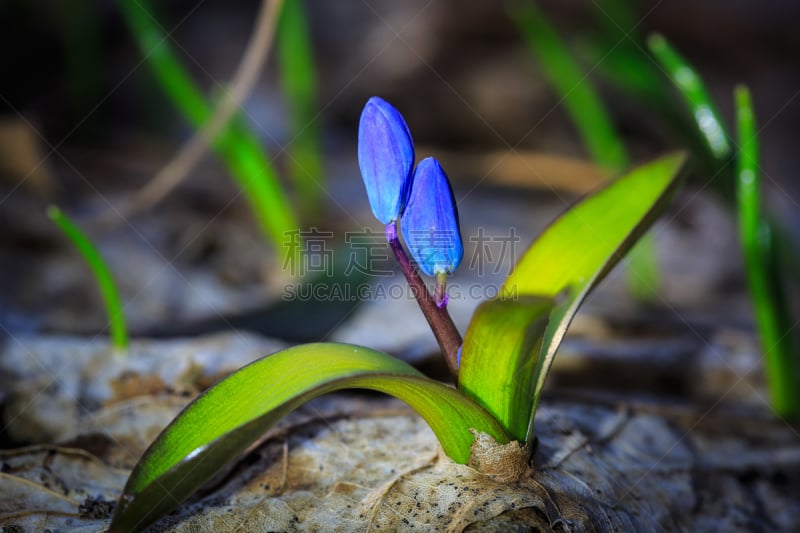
(430,221)
(386,158)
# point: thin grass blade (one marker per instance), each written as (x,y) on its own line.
(102,275)
(694,92)
(237,145)
(590,117)
(764,278)
(572,86)
(299,86)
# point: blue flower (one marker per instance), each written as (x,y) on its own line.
(386,158)
(430,221)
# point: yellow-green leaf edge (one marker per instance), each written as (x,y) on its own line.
(498,358)
(580,247)
(221,423)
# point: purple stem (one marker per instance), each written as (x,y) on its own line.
(438,318)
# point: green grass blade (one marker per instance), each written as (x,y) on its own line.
(592,120)
(237,145)
(763,275)
(299,83)
(238,410)
(169,71)
(694,92)
(576,251)
(102,275)
(621,62)
(571,84)
(499,355)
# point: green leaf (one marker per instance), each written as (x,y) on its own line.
(588,113)
(299,86)
(102,275)
(498,357)
(764,278)
(695,94)
(577,250)
(581,101)
(237,145)
(237,411)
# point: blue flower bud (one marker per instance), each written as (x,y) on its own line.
(430,221)
(386,158)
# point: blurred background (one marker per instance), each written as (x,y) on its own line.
(529,105)
(85,124)
(460,71)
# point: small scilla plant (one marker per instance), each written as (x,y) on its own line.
(499,367)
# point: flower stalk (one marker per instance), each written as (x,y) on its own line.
(438,318)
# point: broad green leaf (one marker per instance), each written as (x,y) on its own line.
(499,356)
(233,414)
(576,251)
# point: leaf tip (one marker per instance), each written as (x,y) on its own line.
(656,41)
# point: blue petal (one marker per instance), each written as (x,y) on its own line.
(386,158)
(430,221)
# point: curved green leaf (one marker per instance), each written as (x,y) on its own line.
(227,418)
(102,275)
(590,116)
(499,355)
(577,250)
